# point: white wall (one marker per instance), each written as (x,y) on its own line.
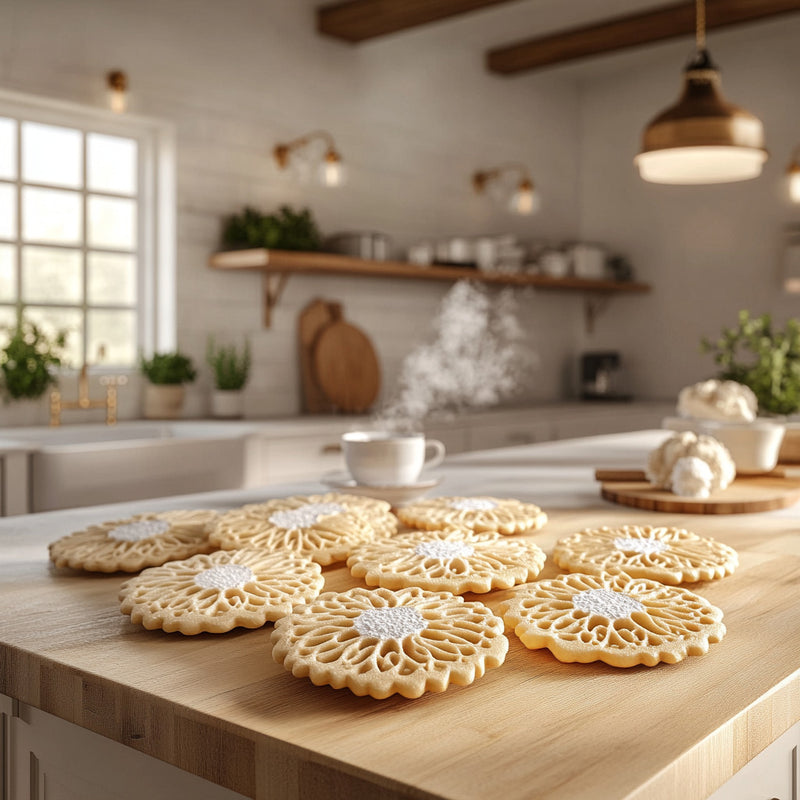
(413,119)
(708,251)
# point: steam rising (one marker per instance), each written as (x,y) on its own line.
(475,360)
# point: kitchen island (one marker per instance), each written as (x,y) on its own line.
(218,706)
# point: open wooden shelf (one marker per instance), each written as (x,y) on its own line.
(277,265)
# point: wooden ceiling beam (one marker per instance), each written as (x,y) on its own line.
(635,30)
(357,20)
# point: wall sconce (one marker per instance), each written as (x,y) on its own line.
(702,138)
(331,170)
(523,200)
(117,82)
(793,175)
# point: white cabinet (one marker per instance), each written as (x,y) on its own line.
(510,434)
(47,758)
(772,775)
(309,451)
(293,458)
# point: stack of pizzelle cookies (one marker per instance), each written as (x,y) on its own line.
(409,631)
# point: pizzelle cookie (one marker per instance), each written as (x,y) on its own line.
(479,514)
(617,619)
(221,591)
(322,527)
(452,560)
(378,642)
(668,555)
(129,545)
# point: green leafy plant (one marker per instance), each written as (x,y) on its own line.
(28,360)
(765,359)
(284,230)
(168,368)
(231,366)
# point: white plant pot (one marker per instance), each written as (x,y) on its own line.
(163,401)
(227,403)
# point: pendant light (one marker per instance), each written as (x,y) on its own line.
(702,138)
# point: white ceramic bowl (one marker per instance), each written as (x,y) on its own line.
(754,446)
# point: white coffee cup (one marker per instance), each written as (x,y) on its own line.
(384,458)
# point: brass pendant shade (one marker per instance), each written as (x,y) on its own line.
(702,138)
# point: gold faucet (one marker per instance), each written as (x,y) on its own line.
(84,401)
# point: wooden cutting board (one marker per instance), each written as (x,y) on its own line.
(312,320)
(345,367)
(746,495)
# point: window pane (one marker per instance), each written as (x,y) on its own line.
(8,211)
(111,279)
(52,155)
(112,164)
(115,332)
(8,320)
(8,148)
(52,320)
(50,215)
(112,223)
(51,275)
(8,274)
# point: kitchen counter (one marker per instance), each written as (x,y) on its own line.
(219,707)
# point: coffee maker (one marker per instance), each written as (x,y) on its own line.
(600,376)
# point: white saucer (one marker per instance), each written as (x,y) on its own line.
(396,495)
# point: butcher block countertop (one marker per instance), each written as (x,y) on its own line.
(219,707)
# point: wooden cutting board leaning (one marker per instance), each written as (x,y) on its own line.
(339,368)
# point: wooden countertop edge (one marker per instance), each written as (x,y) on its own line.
(703,769)
(257,765)
(244,761)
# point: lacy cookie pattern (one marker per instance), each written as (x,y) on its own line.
(617,619)
(451,560)
(130,545)
(323,527)
(217,592)
(668,555)
(378,642)
(505,516)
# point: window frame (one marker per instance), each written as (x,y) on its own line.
(156,318)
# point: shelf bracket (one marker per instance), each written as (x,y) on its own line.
(593,306)
(273,285)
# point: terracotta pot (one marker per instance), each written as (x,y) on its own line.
(163,401)
(227,403)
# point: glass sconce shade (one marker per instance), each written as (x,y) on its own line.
(117,82)
(793,175)
(524,200)
(332,171)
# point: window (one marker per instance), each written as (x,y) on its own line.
(86,228)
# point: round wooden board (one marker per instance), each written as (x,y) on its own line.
(743,496)
(346,367)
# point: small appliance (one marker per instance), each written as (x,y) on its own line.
(600,373)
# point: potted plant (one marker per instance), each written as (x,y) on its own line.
(28,363)
(762,357)
(231,369)
(166,374)
(28,360)
(286,229)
